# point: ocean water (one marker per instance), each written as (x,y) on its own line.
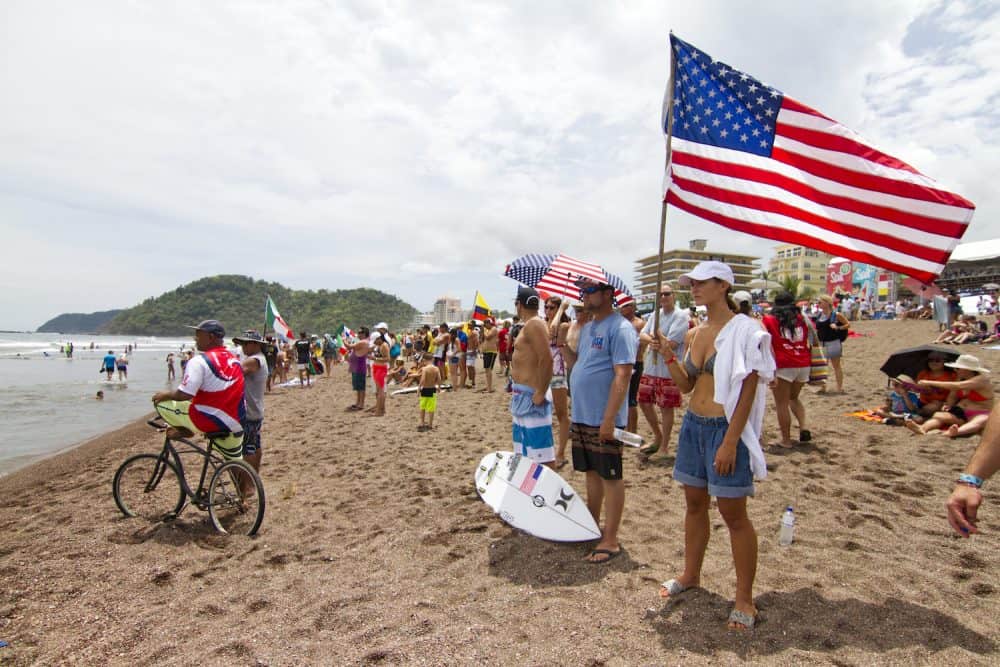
(47,401)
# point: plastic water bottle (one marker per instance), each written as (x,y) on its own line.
(787,531)
(626,438)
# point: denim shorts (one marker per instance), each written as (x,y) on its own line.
(699,440)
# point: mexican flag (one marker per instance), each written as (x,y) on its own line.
(275,322)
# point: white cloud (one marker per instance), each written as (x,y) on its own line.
(418,148)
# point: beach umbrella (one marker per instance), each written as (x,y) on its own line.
(912,360)
(556,275)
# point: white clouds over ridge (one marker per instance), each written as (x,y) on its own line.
(337,144)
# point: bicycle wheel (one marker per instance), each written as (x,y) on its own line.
(147,486)
(233,511)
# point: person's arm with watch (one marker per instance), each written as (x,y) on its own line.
(963,504)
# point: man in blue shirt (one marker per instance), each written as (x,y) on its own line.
(108,365)
(601,369)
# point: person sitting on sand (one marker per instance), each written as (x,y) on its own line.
(902,401)
(970,399)
(430,381)
(931,397)
(995,336)
(210,395)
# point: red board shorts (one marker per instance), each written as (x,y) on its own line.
(661,391)
(379,372)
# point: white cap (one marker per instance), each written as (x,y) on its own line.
(742,297)
(382,325)
(706,270)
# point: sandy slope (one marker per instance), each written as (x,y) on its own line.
(376,549)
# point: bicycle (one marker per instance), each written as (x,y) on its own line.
(154,487)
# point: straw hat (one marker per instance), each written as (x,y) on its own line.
(969,363)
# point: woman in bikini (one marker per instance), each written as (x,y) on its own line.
(380,369)
(718,450)
(970,399)
(558,322)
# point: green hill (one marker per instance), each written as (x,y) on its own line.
(79,323)
(238,302)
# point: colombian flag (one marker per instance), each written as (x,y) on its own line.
(482,309)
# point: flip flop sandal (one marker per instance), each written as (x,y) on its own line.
(742,618)
(611,555)
(669,589)
(561,464)
(649,449)
(805,436)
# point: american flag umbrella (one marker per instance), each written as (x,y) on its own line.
(556,275)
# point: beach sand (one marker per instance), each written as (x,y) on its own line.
(375,549)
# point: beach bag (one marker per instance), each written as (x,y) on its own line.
(394,350)
(819,368)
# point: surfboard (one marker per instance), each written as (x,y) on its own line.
(534,498)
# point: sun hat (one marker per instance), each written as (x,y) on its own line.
(969,363)
(381,325)
(212,327)
(706,270)
(584,281)
(249,336)
(906,380)
(742,297)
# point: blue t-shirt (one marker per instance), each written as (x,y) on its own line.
(602,346)
(109,361)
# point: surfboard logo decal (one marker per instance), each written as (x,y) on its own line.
(538,501)
(531,478)
(563,501)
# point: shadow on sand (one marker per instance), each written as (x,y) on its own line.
(523,559)
(805,620)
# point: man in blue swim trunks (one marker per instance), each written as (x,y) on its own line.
(531,370)
(108,365)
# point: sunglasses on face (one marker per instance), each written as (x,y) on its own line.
(592,290)
(666,293)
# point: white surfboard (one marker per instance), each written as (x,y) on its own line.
(413,390)
(534,498)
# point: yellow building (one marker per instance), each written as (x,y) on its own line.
(676,262)
(806,264)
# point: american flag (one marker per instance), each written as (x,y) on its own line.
(748,157)
(531,478)
(556,275)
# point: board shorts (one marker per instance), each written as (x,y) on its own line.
(175,413)
(470,357)
(251,436)
(439,362)
(699,440)
(558,382)
(428,399)
(489,358)
(453,361)
(633,384)
(662,392)
(379,371)
(589,453)
(532,425)
(798,374)
(834,349)
(358,381)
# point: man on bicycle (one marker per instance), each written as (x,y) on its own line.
(209,398)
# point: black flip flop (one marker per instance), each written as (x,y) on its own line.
(611,555)
(805,436)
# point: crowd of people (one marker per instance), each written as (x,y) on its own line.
(580,371)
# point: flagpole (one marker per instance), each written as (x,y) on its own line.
(663,208)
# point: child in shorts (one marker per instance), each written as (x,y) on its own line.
(430,379)
(902,402)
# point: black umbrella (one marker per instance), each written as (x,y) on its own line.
(912,360)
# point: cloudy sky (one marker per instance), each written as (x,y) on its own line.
(418,147)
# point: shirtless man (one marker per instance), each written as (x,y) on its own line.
(430,380)
(627,310)
(472,352)
(441,350)
(489,348)
(531,370)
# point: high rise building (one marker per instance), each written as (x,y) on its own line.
(806,264)
(448,309)
(676,262)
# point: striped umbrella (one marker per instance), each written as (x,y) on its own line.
(556,275)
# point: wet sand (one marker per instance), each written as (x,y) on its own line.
(375,549)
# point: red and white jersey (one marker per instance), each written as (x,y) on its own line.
(215,380)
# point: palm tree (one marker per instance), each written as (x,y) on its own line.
(790,284)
